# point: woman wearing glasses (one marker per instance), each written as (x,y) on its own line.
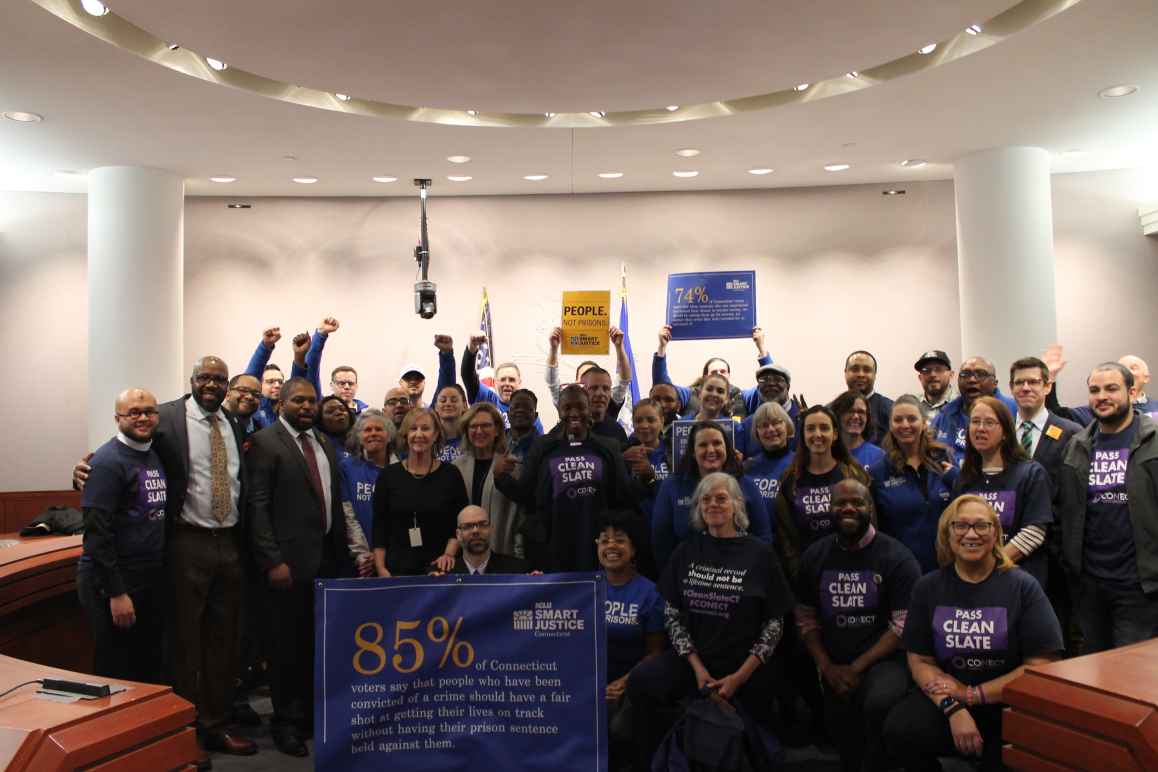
(997,469)
(972,627)
(482,426)
(726,601)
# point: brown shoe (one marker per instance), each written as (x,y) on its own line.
(234,745)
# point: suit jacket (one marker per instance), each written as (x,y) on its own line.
(284,511)
(1051,447)
(171,441)
(498,564)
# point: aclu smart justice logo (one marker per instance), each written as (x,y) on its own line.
(546,621)
(737,285)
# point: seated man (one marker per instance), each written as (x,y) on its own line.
(476,555)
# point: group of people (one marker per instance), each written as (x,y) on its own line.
(891,563)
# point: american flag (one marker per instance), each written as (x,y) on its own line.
(484,360)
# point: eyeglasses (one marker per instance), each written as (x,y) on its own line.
(988,423)
(273,381)
(771,378)
(204,378)
(1032,382)
(934,370)
(720,498)
(607,541)
(245,391)
(346,384)
(135,413)
(397,401)
(479,526)
(967,375)
(981,528)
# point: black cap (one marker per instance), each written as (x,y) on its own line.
(933,356)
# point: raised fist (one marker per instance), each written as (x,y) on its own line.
(301,343)
(476,340)
(270,337)
(555,339)
(616,336)
(444,343)
(328,325)
(664,338)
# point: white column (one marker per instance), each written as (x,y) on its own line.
(135,280)
(1005,260)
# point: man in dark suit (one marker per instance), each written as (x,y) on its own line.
(1044,437)
(299,534)
(476,555)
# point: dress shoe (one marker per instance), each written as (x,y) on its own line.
(245,715)
(234,745)
(203,763)
(286,741)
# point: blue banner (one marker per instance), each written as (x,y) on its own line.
(716,304)
(681,429)
(461,672)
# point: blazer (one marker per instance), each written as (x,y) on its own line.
(498,564)
(171,441)
(285,521)
(1051,448)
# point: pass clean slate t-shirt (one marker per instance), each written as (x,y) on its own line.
(855,592)
(811,504)
(1109,534)
(576,476)
(633,610)
(1020,494)
(978,632)
(726,590)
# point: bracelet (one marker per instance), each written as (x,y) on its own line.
(949,713)
(981,694)
(947,704)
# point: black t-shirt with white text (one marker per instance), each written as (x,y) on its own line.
(1110,555)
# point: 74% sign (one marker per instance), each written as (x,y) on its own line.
(438,631)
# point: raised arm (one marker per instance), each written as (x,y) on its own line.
(313,372)
(554,340)
(469,373)
(446,375)
(622,365)
(261,354)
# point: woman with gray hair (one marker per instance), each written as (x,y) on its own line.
(770,446)
(368,444)
(726,602)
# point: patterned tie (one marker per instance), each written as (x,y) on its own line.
(314,475)
(1027,437)
(219,470)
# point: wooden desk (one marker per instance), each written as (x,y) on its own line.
(40,615)
(1098,712)
(143,729)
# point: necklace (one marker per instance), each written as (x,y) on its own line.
(416,475)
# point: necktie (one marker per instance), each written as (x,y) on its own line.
(1027,437)
(218,471)
(315,476)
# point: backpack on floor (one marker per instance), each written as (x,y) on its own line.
(708,738)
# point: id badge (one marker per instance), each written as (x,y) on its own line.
(415,537)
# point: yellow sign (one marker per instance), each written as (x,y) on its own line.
(586,319)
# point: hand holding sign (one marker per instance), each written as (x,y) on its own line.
(586,319)
(715,304)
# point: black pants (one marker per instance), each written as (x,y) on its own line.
(1111,617)
(916,732)
(854,722)
(291,653)
(657,684)
(206,574)
(132,653)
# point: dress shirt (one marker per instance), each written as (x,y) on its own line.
(319,455)
(1038,420)
(198,508)
(481,568)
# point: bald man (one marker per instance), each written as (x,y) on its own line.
(976,378)
(476,555)
(1054,357)
(119,576)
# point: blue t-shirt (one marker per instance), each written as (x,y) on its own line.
(359,477)
(952,423)
(1109,533)
(671,519)
(978,632)
(765,470)
(658,460)
(909,504)
(855,592)
(1020,494)
(867,454)
(633,610)
(451,450)
(130,486)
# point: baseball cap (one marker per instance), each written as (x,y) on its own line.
(409,368)
(933,356)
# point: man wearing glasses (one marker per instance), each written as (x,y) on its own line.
(242,401)
(935,372)
(397,405)
(977,378)
(476,555)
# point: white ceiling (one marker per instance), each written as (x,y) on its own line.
(104,106)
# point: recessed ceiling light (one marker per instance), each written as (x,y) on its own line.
(836,167)
(893,192)
(1113,92)
(686,174)
(223,178)
(914,163)
(68,173)
(172,46)
(216,64)
(973,29)
(305,180)
(289,158)
(94,7)
(535,177)
(926,50)
(852,74)
(239,206)
(458,159)
(459,178)
(610,175)
(472,113)
(598,113)
(687,152)
(384,179)
(801,86)
(22,117)
(549,115)
(342,97)
(760,172)
(672,108)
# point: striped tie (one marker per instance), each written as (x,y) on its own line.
(1027,437)
(218,470)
